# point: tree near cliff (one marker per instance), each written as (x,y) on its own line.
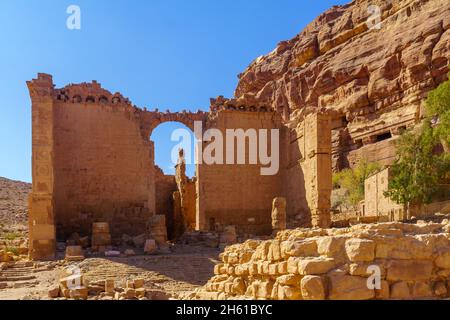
(438,111)
(419,168)
(352,180)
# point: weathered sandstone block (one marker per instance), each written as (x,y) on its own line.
(305,248)
(402,248)
(360,250)
(150,246)
(422,289)
(279,214)
(313,266)
(402,270)
(331,246)
(349,288)
(313,288)
(443,260)
(400,290)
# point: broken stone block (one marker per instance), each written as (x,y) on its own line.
(331,246)
(289,280)
(422,289)
(140,293)
(53,293)
(130,293)
(409,270)
(130,284)
(344,287)
(139,241)
(403,249)
(440,289)
(312,288)
(279,214)
(72,281)
(101,240)
(150,246)
(384,292)
(443,260)
(292,265)
(157,229)
(400,290)
(315,266)
(289,293)
(100,227)
(228,236)
(138,283)
(110,286)
(74,253)
(361,250)
(112,253)
(305,248)
(79,293)
(130,252)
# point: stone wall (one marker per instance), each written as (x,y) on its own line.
(237,194)
(410,262)
(93,161)
(104,168)
(375,203)
(165,186)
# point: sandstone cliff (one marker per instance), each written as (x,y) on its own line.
(375,79)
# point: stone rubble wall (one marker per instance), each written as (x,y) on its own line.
(337,264)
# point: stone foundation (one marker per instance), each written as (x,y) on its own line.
(412,261)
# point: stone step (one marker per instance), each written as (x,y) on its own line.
(24,284)
(16,278)
(20,265)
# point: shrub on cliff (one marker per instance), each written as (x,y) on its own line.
(438,112)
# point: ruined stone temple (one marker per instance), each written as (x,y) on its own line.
(338,92)
(93,161)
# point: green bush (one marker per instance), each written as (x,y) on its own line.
(352,180)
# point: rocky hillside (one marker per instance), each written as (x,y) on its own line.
(13,202)
(374,76)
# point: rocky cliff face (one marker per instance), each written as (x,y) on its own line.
(374,76)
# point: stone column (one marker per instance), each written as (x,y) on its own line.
(42,235)
(279,214)
(317,168)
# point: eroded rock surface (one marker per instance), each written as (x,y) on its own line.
(375,79)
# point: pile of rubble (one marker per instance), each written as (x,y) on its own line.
(73,285)
(373,261)
(155,241)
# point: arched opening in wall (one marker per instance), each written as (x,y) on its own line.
(168,138)
(174,182)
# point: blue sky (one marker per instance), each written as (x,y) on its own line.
(160,53)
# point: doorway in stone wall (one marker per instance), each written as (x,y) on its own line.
(174,183)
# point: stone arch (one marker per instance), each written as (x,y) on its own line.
(103,100)
(116,100)
(151,120)
(90,99)
(77,99)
